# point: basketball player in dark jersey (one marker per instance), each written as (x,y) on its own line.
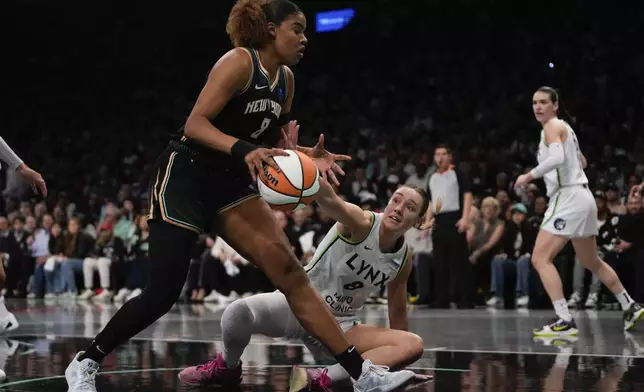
(203,179)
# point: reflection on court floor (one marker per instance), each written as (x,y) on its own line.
(465,350)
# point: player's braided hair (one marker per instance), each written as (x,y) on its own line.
(248,21)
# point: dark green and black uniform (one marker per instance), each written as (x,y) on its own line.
(193,182)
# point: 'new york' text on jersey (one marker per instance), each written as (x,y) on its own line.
(252,114)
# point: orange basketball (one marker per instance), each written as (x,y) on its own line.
(293,186)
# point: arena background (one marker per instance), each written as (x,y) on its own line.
(94,89)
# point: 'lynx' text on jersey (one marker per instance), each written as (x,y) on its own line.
(345,272)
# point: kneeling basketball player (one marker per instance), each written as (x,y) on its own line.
(362,252)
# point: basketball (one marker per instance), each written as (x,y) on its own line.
(293,186)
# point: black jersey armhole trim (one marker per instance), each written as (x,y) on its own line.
(284,75)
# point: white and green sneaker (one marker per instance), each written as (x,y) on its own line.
(634,314)
(557,328)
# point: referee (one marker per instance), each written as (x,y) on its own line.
(450,203)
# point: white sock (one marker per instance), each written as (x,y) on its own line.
(3,309)
(337,373)
(624,299)
(561,308)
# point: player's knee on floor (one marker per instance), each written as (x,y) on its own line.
(414,346)
(236,314)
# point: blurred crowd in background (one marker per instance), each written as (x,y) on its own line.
(99,108)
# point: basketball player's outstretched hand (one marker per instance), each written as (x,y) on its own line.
(33,178)
(256,159)
(427,224)
(290,136)
(423,377)
(325,161)
(522,180)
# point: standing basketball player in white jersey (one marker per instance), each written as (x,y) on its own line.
(362,253)
(571,215)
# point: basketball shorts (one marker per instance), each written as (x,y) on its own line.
(571,213)
(189,191)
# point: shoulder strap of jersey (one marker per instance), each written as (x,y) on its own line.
(253,59)
(351,241)
(406,259)
(253,56)
(282,84)
(283,79)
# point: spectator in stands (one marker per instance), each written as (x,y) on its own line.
(502,184)
(195,282)
(322,227)
(4,226)
(361,183)
(298,226)
(108,251)
(137,263)
(633,181)
(504,204)
(534,221)
(20,261)
(613,201)
(40,252)
(230,260)
(60,216)
(31,224)
(420,175)
(40,210)
(606,240)
(511,252)
(483,237)
(25,209)
(125,226)
(630,247)
(76,245)
(53,277)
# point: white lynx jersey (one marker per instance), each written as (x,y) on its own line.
(571,172)
(346,272)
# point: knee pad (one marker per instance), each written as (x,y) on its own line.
(237,320)
(237,313)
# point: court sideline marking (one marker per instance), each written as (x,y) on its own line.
(49,378)
(287,344)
